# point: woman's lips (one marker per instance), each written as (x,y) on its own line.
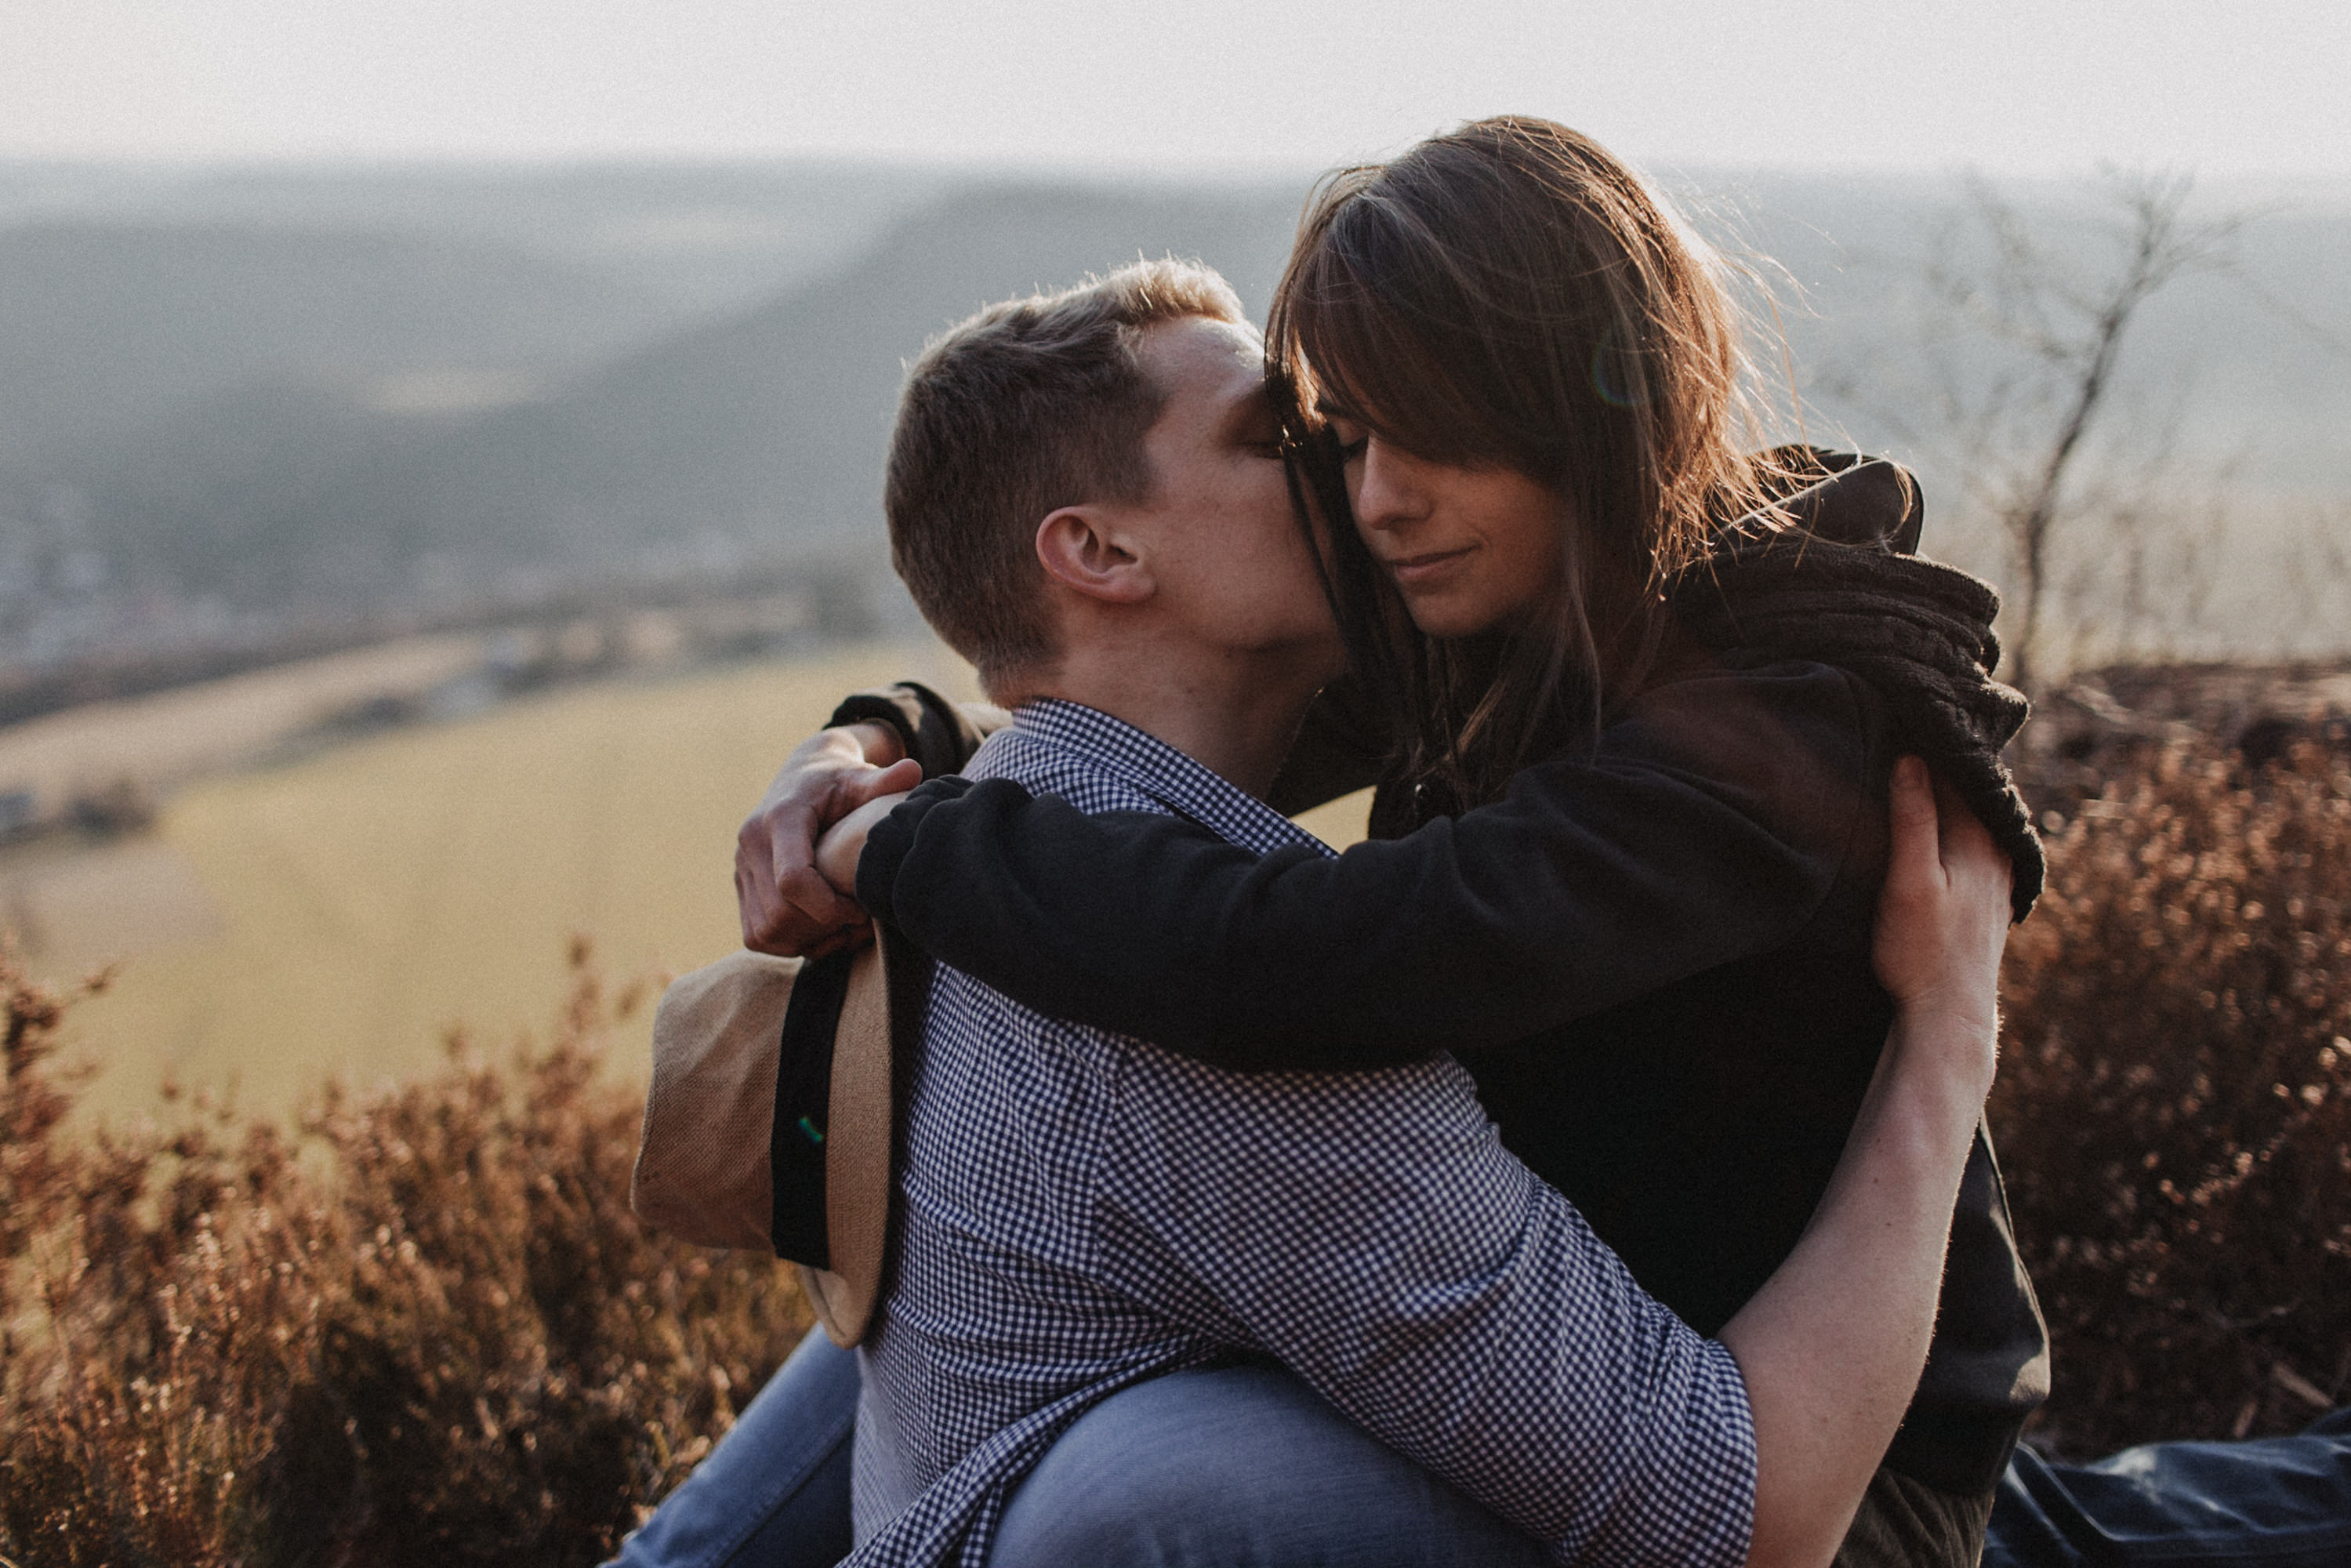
(1416,568)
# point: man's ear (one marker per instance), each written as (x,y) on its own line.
(1082,551)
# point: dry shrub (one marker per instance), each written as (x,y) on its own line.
(2174,1107)
(424,1328)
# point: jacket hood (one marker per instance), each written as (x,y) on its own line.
(1832,579)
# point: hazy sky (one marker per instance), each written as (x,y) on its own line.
(2224,85)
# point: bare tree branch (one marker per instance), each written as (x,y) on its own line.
(2071,324)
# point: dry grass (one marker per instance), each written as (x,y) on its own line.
(422,1328)
(2174,1107)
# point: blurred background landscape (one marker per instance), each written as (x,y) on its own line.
(243,407)
(402,566)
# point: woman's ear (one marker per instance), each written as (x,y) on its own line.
(1080,550)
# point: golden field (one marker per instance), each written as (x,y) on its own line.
(336,914)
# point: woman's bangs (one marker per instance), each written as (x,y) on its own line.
(1362,359)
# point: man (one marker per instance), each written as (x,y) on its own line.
(1086,500)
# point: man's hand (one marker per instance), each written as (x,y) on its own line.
(787,907)
(1943,917)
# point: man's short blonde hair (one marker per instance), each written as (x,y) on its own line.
(1028,406)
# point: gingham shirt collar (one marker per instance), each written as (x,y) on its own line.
(1179,783)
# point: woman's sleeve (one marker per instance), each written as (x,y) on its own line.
(1708,827)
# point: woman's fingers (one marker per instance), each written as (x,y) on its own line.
(829,912)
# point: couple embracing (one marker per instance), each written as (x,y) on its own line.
(1583,1170)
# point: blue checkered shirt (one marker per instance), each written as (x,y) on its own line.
(1083,1210)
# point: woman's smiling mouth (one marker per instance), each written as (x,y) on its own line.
(1416,568)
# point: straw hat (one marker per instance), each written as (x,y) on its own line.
(769,1119)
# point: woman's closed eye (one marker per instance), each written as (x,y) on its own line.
(1351,436)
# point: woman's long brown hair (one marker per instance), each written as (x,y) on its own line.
(1510,294)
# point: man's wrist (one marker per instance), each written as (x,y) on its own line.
(1955,1049)
(1958,1006)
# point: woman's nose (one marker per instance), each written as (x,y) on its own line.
(1385,496)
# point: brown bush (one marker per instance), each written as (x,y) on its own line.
(424,1328)
(2174,1107)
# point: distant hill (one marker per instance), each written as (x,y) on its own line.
(771,424)
(261,392)
(105,327)
(179,378)
(186,355)
(761,430)
(701,237)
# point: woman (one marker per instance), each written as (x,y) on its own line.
(1640,846)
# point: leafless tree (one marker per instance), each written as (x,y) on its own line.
(2029,427)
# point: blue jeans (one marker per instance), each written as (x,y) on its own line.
(774,1492)
(2280,1502)
(1226,1467)
(1243,1466)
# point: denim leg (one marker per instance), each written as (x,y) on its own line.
(774,1492)
(2280,1502)
(1241,1467)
